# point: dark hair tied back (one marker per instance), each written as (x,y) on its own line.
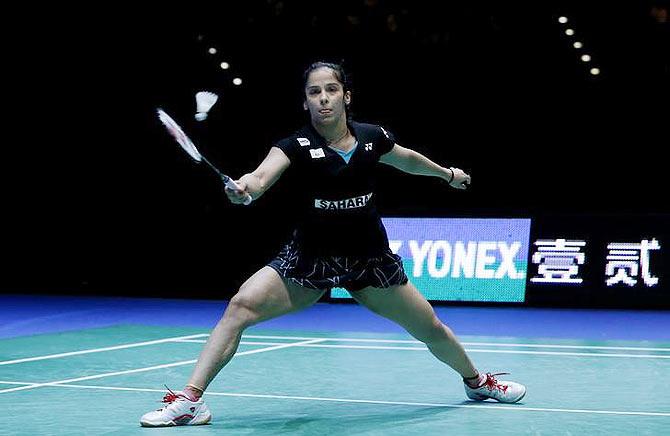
(338,69)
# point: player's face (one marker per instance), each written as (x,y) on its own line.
(325,97)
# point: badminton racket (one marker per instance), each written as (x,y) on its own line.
(185,142)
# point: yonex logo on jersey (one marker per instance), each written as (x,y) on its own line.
(303,141)
(368,146)
(348,203)
(385,132)
(317,153)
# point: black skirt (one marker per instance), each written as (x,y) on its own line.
(352,273)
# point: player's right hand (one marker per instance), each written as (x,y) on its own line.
(237,196)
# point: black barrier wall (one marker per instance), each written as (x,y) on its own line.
(97,199)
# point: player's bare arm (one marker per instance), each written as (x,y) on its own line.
(262,178)
(412,162)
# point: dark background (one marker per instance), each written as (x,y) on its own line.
(97,199)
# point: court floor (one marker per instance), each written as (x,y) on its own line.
(99,380)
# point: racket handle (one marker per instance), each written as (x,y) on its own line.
(230,183)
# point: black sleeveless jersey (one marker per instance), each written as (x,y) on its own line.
(336,213)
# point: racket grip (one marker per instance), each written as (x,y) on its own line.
(232,185)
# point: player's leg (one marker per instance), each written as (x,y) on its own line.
(263,296)
(405,305)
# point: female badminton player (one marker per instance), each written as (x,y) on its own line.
(339,241)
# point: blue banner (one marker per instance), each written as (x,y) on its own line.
(462,259)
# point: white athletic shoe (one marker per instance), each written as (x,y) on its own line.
(503,391)
(179,410)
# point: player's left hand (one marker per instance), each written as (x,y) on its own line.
(461,179)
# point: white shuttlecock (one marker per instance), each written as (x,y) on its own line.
(204,101)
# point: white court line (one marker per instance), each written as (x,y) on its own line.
(394,341)
(485,344)
(469,350)
(98,350)
(149,368)
(489,406)
(560,353)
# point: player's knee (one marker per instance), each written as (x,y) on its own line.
(243,310)
(433,332)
